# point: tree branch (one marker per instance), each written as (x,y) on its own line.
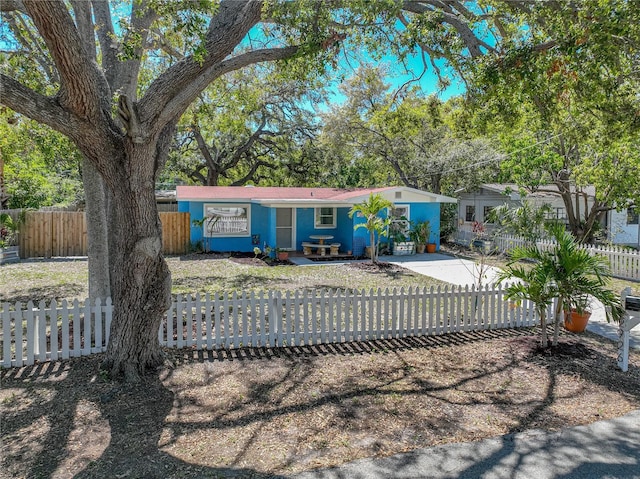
(177,105)
(183,80)
(83,87)
(250,175)
(32,44)
(11,6)
(38,107)
(84,22)
(106,35)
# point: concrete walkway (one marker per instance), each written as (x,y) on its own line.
(605,449)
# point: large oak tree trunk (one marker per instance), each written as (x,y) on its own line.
(140,277)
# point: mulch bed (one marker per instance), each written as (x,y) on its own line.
(264,412)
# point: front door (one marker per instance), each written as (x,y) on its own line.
(284,228)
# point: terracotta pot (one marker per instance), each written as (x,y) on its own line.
(431,247)
(283,255)
(576,322)
(420,248)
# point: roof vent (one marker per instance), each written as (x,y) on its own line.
(398,195)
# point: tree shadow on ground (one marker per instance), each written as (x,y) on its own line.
(96,429)
(47,293)
(90,427)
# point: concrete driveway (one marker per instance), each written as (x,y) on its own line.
(462,272)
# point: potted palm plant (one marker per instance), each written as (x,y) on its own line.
(580,277)
(566,272)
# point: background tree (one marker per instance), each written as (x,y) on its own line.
(41,167)
(243,127)
(562,98)
(407,137)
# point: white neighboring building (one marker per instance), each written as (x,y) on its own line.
(475,206)
(623,227)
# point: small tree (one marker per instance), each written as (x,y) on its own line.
(525,221)
(375,225)
(534,284)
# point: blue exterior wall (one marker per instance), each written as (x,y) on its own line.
(260,225)
(417,212)
(342,233)
(263,221)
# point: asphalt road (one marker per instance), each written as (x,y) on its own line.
(604,449)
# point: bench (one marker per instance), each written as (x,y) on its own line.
(307,248)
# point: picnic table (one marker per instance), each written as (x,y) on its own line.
(321,238)
(320,246)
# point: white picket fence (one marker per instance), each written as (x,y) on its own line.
(625,263)
(271,319)
(56,331)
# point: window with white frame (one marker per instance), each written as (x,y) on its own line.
(225,219)
(325,217)
(399,216)
(632,216)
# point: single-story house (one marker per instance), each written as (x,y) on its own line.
(622,226)
(243,217)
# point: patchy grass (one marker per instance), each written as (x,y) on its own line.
(264,413)
(67,279)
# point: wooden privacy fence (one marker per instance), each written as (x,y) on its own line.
(267,319)
(176,232)
(64,233)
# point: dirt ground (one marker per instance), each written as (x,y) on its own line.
(267,413)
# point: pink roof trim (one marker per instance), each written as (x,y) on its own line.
(272,193)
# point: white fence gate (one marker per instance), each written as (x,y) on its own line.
(271,319)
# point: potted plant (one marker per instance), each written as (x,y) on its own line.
(419,234)
(282,254)
(580,277)
(566,272)
(577,317)
(9,229)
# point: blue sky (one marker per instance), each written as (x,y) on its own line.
(399,74)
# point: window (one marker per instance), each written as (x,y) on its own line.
(470,213)
(556,213)
(325,217)
(486,213)
(632,216)
(399,216)
(224,219)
